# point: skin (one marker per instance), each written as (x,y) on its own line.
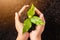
(35,34)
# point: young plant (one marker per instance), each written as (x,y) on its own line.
(31,19)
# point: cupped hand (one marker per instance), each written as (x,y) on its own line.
(36,34)
(19,25)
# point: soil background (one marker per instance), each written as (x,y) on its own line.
(50,9)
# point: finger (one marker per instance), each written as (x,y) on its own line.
(42,18)
(16,18)
(18,25)
(23,8)
(40,14)
(26,35)
(37,11)
(40,28)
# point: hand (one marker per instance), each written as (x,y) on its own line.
(36,34)
(19,26)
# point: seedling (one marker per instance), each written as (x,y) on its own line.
(31,19)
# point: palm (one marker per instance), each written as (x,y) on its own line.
(38,31)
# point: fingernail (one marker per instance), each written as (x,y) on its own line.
(27,5)
(41,15)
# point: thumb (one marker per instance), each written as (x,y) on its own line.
(18,24)
(17,21)
(26,35)
(16,18)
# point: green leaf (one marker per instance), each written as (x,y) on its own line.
(31,11)
(36,20)
(27,25)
